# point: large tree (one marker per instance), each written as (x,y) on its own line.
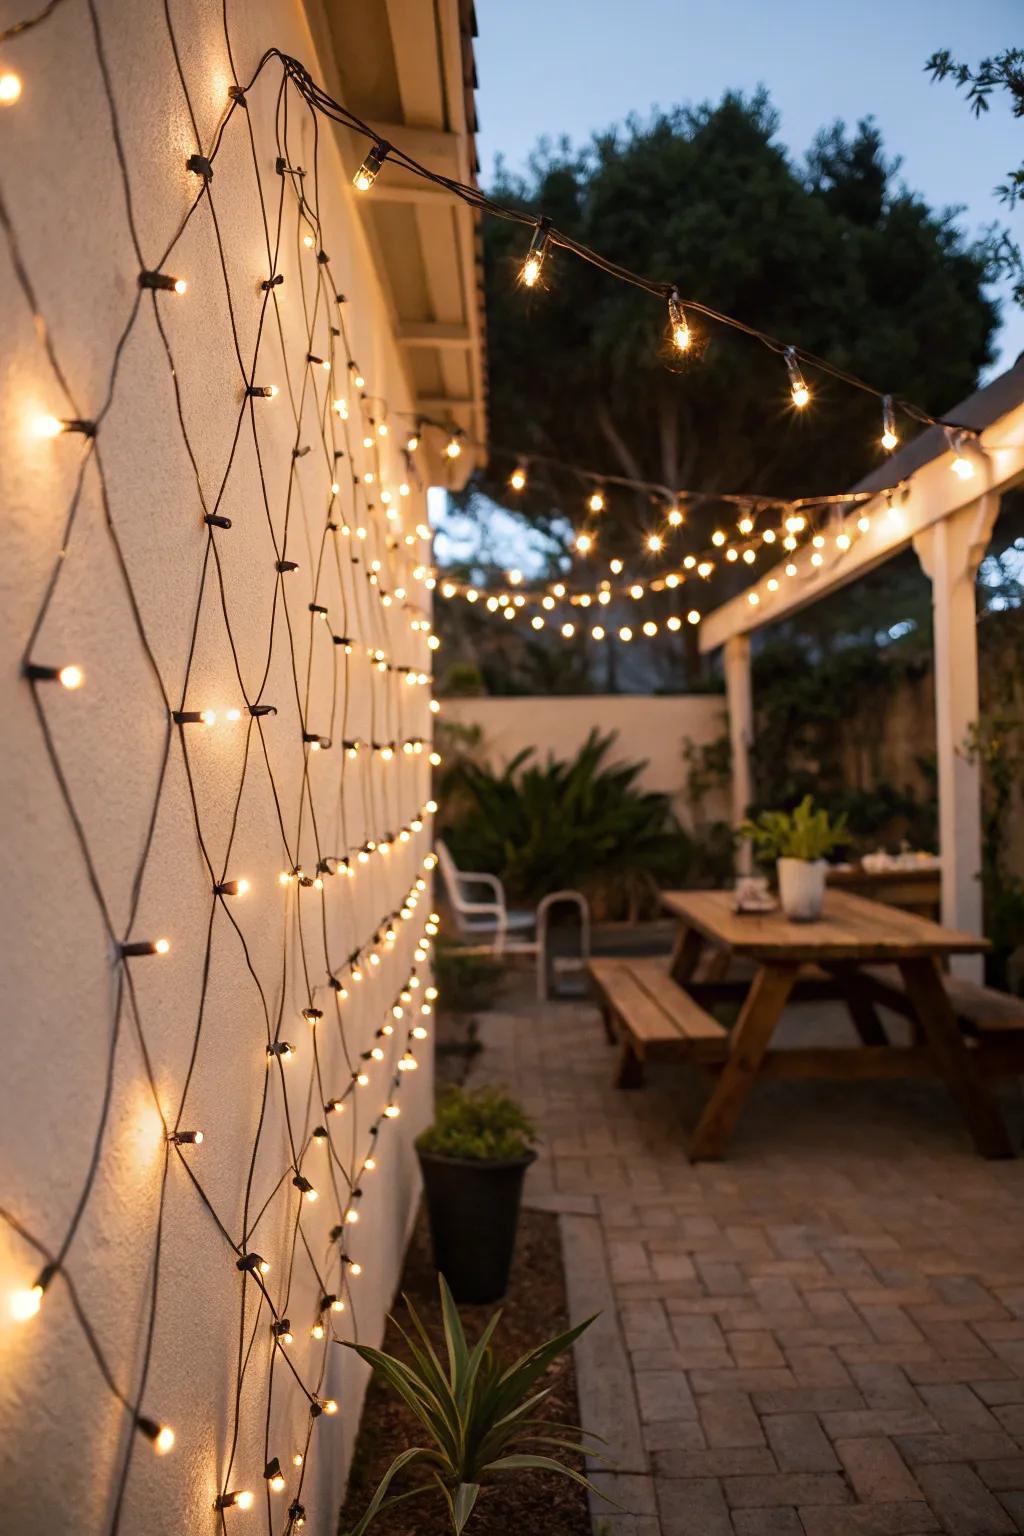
(835,255)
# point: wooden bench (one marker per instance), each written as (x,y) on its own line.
(979,1009)
(653,1018)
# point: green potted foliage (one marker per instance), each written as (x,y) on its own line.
(478,1415)
(798,842)
(473,1160)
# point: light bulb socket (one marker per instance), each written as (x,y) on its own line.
(272,1469)
(279,1048)
(214,520)
(272,282)
(259,710)
(318,608)
(139,947)
(252,1262)
(227,888)
(312,1014)
(260,391)
(186,1138)
(237,95)
(188,717)
(280,1327)
(286,565)
(200,166)
(302,1184)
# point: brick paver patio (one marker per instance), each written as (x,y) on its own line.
(822,1336)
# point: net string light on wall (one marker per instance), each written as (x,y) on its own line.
(322,1062)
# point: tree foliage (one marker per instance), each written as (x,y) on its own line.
(1005,72)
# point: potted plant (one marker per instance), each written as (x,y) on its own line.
(473,1160)
(798,841)
(478,1416)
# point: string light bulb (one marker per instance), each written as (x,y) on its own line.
(69,677)
(370,169)
(274,1476)
(53,426)
(453,447)
(584,543)
(517,479)
(798,390)
(10,88)
(889,438)
(961,466)
(533,266)
(678,324)
(655,543)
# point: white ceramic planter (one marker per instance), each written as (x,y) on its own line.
(802,888)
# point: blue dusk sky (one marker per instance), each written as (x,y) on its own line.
(553,67)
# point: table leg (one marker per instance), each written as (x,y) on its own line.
(750,1037)
(686,952)
(955,1062)
(860,1006)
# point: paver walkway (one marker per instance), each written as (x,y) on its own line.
(822,1336)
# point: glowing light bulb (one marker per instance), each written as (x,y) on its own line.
(533,266)
(10,88)
(307,241)
(48,426)
(277,1482)
(675,517)
(453,448)
(799,393)
(412,442)
(842,541)
(245,1499)
(164,1441)
(655,542)
(693,617)
(705,569)
(753,599)
(391,1112)
(889,438)
(568,630)
(517,479)
(584,543)
(863,524)
(368,172)
(208,716)
(596,501)
(718,537)
(329,1405)
(745,525)
(772,584)
(71,677)
(673,622)
(625,634)
(162,947)
(677,322)
(317,1331)
(650,628)
(25,1304)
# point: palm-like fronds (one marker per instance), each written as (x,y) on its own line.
(479,1416)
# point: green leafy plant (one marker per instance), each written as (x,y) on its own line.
(479,1416)
(581,824)
(806,833)
(483,1124)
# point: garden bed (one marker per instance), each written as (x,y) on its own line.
(533,1310)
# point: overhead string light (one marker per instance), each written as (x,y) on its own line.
(678,324)
(370,169)
(533,267)
(799,393)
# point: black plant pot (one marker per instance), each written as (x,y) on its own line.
(473,1208)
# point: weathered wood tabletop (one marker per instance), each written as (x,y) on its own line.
(853,933)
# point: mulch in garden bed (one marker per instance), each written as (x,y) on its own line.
(534,1310)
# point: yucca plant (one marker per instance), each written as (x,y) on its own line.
(582,824)
(479,1416)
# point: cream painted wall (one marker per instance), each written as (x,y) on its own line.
(65,1441)
(650,730)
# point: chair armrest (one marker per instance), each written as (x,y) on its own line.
(482,879)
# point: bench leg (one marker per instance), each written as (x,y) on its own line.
(955,1063)
(609,1027)
(769,992)
(630,1072)
(686,952)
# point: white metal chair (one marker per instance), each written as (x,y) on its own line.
(498,931)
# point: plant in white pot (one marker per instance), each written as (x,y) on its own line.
(798,841)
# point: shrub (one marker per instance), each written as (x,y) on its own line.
(483,1124)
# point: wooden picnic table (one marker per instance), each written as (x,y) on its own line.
(853,936)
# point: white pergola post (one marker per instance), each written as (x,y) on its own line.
(740,701)
(950,552)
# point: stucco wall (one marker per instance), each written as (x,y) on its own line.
(71,1029)
(648,730)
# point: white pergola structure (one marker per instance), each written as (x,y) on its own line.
(948,519)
